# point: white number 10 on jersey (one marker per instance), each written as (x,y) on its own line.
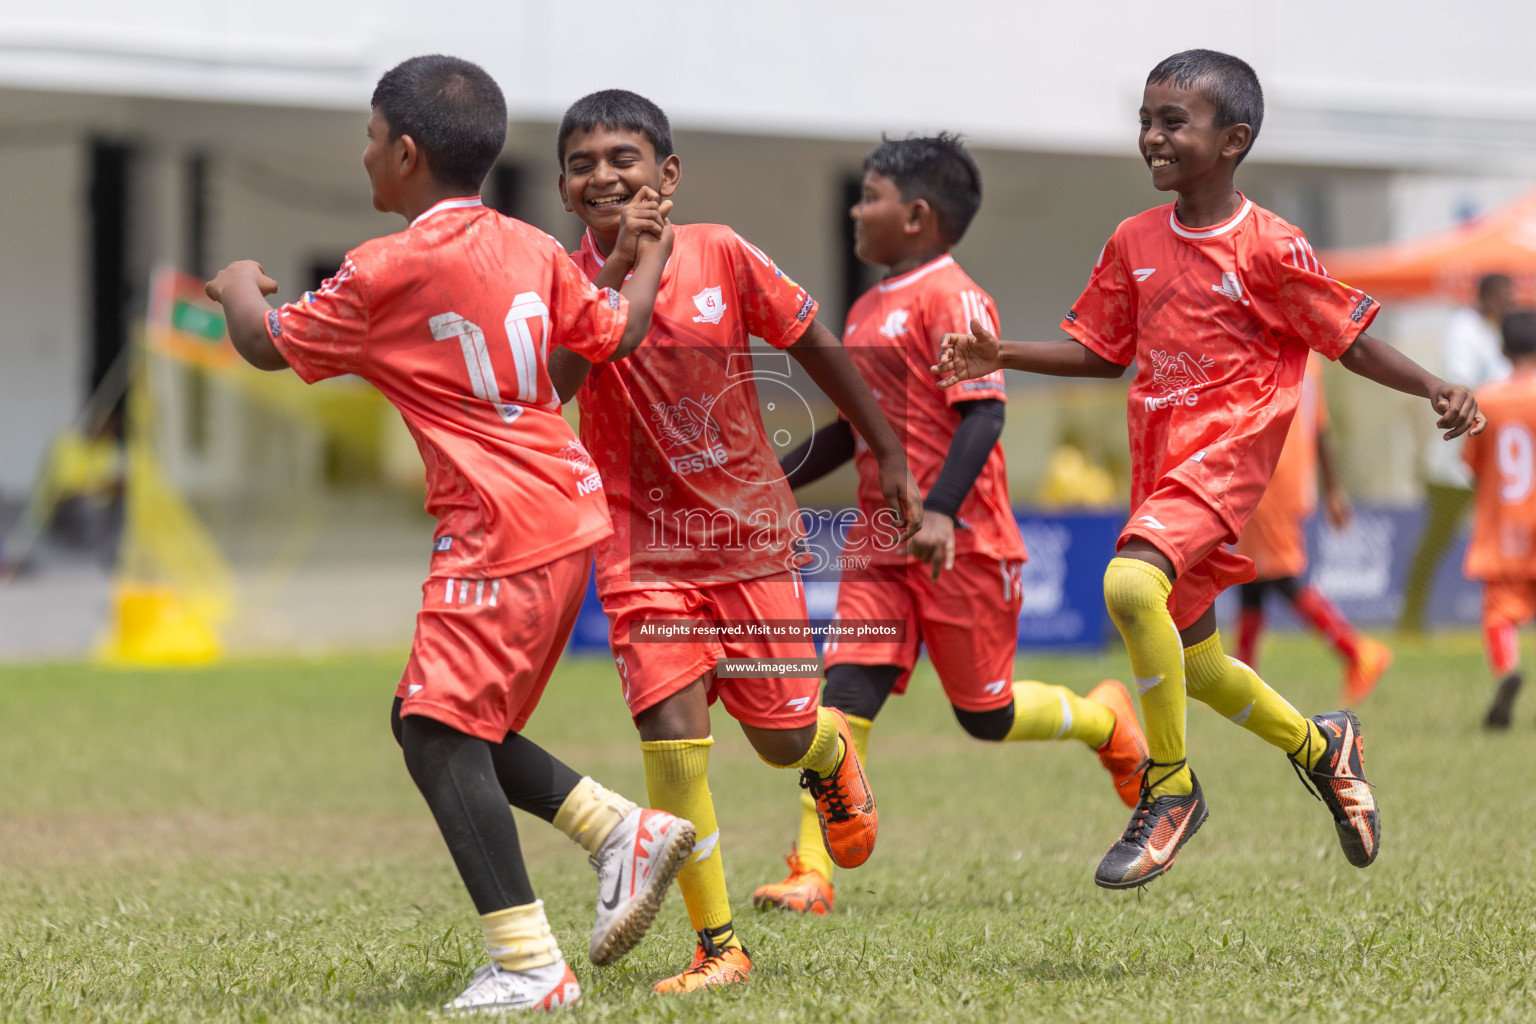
(528,355)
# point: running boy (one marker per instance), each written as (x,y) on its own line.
(451,319)
(704,526)
(957,585)
(1217,301)
(1503,549)
(1275,540)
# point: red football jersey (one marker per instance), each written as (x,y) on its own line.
(892,336)
(1503,458)
(695,488)
(1219,321)
(452,320)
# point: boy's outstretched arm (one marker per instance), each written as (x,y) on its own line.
(822,355)
(1375,360)
(969,356)
(241,288)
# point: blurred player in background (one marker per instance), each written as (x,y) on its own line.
(1276,541)
(1471,356)
(1502,553)
(1218,302)
(705,527)
(955,588)
(451,319)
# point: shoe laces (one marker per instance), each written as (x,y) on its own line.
(712,950)
(829,792)
(1305,752)
(1141,823)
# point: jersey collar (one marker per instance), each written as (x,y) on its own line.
(1210,232)
(449,204)
(916,275)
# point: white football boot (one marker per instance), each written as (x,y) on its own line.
(494,989)
(635,867)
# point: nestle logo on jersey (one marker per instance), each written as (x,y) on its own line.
(1179,376)
(709,458)
(589,483)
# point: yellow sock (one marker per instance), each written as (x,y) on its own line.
(1238,694)
(810,847)
(676,777)
(1137,596)
(590,812)
(1043,712)
(519,938)
(825,749)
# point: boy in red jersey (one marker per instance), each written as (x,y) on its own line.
(1503,549)
(1275,541)
(705,526)
(452,319)
(956,587)
(1218,302)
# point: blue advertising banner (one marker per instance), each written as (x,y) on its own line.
(1362,568)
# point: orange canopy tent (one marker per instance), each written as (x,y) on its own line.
(1446,266)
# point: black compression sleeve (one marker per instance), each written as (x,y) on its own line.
(827,449)
(981,424)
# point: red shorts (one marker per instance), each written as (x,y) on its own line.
(1274,539)
(485,648)
(1194,537)
(1508,601)
(651,671)
(968,619)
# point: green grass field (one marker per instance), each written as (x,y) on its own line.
(243,844)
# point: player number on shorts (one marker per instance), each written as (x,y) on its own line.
(528,353)
(1517,462)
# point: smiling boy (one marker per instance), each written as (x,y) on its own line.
(705,526)
(1218,302)
(450,319)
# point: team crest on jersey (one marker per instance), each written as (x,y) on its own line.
(577,456)
(895,325)
(711,306)
(1179,376)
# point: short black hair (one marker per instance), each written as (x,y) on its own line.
(452,109)
(1520,333)
(1489,284)
(1227,81)
(937,169)
(616,108)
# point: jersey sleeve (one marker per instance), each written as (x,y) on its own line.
(1102,318)
(583,318)
(773,306)
(324,333)
(950,311)
(1324,314)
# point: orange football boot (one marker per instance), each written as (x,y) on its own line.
(712,965)
(845,805)
(805,891)
(1372,659)
(1124,755)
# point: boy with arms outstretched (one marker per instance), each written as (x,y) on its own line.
(452,319)
(705,526)
(1502,553)
(1218,302)
(956,586)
